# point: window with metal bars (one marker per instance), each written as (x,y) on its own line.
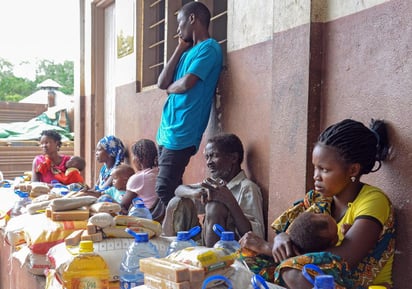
(157,36)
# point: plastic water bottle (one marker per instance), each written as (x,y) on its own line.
(59,189)
(20,205)
(139,210)
(130,274)
(183,240)
(227,240)
(86,270)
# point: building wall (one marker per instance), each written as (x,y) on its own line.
(293,68)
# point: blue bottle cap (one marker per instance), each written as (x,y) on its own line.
(324,282)
(183,236)
(139,205)
(227,236)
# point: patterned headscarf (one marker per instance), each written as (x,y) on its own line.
(114,147)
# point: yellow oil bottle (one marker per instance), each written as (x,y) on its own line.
(87,270)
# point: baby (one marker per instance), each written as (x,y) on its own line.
(72,175)
(312,232)
(120,175)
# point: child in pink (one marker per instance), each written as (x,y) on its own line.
(142,183)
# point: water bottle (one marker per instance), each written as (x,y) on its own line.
(183,240)
(130,274)
(227,240)
(20,205)
(59,189)
(87,269)
(139,210)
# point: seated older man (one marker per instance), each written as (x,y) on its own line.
(229,198)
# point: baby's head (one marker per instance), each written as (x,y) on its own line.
(120,175)
(312,232)
(76,162)
(144,153)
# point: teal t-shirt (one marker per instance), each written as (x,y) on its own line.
(115,194)
(185,115)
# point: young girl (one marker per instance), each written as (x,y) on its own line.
(364,255)
(142,183)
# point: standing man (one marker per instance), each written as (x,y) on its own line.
(189,78)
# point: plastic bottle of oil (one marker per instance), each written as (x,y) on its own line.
(87,270)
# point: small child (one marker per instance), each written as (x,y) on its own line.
(312,232)
(120,175)
(142,183)
(72,175)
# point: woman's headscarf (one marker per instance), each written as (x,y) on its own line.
(114,147)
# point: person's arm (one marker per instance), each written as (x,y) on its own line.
(35,176)
(283,248)
(255,243)
(166,76)
(359,240)
(127,201)
(106,184)
(194,191)
(224,195)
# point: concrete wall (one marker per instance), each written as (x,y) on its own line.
(293,68)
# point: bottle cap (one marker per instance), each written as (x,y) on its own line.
(324,281)
(139,205)
(183,236)
(86,246)
(227,236)
(138,237)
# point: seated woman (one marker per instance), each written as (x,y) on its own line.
(364,255)
(50,163)
(111,152)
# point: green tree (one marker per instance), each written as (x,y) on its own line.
(61,73)
(13,88)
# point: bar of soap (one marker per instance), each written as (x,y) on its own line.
(72,215)
(96,237)
(154,282)
(74,238)
(164,269)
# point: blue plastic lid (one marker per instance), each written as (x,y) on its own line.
(138,237)
(324,282)
(227,236)
(22,194)
(139,205)
(183,236)
(142,237)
